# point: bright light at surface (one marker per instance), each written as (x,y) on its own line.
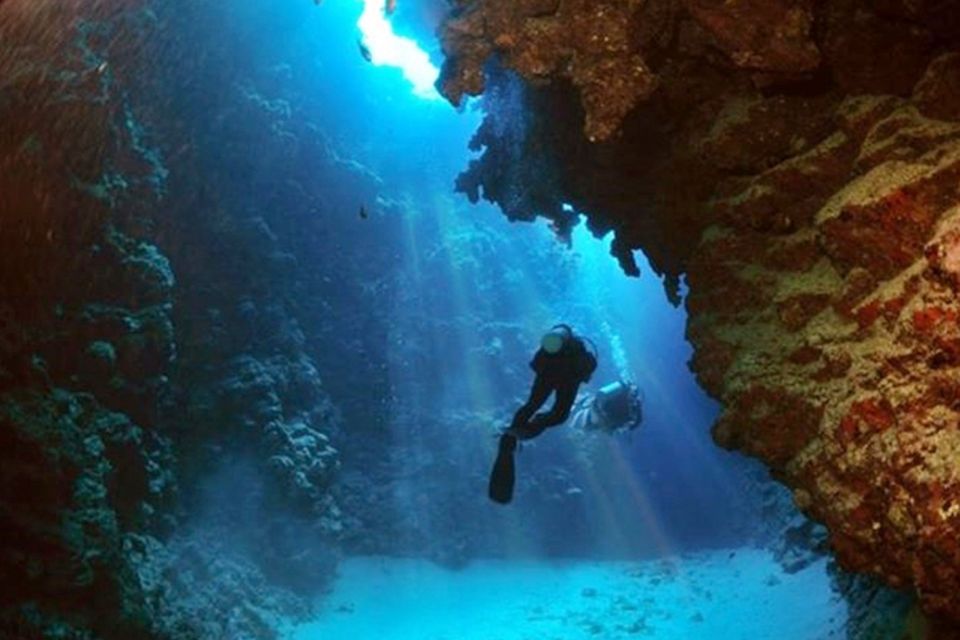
(389,49)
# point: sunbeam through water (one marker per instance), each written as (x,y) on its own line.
(389,49)
(259,379)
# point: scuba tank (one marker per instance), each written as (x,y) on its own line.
(617,406)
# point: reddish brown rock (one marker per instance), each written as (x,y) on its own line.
(752,134)
(759,34)
(796,311)
(804,355)
(769,423)
(884,235)
(937,95)
(817,222)
(870,55)
(591,44)
(877,366)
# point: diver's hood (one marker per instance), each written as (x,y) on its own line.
(554,340)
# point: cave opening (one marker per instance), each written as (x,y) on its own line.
(441,325)
(267,301)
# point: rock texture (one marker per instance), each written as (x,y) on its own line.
(799,164)
(151,333)
(838,369)
(83,360)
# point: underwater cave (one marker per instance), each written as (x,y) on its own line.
(277,279)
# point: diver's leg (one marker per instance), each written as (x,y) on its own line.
(502,476)
(558,414)
(539,393)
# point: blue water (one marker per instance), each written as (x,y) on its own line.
(652,532)
(473,293)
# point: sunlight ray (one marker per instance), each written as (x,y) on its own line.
(386,48)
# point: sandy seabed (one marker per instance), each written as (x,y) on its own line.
(739,594)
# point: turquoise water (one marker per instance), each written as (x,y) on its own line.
(723,595)
(468,295)
(420,312)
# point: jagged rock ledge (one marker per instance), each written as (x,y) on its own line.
(799,164)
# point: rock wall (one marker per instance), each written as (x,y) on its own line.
(837,366)
(798,163)
(167,449)
(86,471)
(284,316)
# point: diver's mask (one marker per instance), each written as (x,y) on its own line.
(554,340)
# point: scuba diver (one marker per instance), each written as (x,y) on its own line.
(562,363)
(616,408)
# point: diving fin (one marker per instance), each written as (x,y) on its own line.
(503,475)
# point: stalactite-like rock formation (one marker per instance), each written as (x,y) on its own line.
(800,164)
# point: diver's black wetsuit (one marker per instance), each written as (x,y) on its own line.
(560,372)
(524,427)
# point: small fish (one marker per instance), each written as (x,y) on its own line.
(365,51)
(390,6)
(102,67)
(363,213)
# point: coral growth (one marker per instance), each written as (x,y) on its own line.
(139,350)
(867,451)
(804,178)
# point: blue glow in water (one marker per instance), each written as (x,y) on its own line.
(468,293)
(464,296)
(389,49)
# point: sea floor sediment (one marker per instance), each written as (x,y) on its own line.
(726,594)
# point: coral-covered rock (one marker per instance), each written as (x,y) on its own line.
(536,39)
(814,214)
(759,34)
(868,54)
(863,335)
(95,355)
(937,95)
(87,332)
(768,423)
(281,402)
(75,477)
